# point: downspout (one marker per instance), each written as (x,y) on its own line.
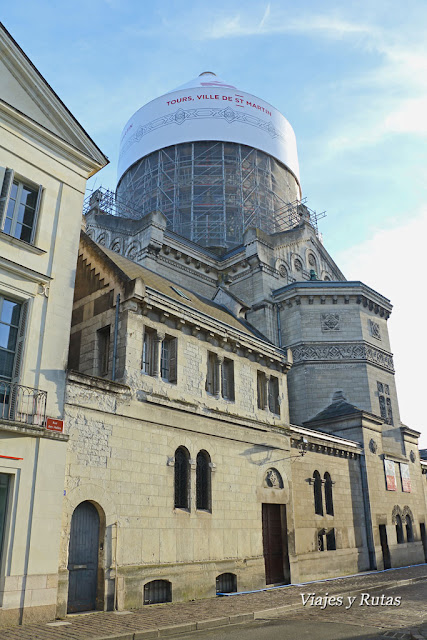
(367,511)
(116,331)
(29,531)
(116,578)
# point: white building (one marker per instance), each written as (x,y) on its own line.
(45,159)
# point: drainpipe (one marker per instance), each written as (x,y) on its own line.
(367,511)
(116,331)
(116,579)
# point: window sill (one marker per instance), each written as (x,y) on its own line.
(21,244)
(207,512)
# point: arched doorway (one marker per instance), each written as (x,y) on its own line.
(83,558)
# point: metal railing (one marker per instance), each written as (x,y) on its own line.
(22,404)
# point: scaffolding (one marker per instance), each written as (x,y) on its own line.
(209,192)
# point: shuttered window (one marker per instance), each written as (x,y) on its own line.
(227,372)
(148,353)
(273,395)
(212,380)
(19,206)
(168,368)
(261,390)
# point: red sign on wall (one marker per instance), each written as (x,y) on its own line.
(55,425)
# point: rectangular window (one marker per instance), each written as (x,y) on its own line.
(261,390)
(273,395)
(168,362)
(10,312)
(103,336)
(4,492)
(147,364)
(228,379)
(212,386)
(19,206)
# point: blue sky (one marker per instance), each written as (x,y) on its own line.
(351,77)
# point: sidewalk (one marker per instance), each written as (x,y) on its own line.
(167,619)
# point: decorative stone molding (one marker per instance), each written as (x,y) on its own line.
(412,456)
(373,447)
(330,322)
(342,352)
(406,511)
(273,479)
(397,511)
(374,329)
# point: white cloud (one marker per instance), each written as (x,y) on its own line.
(234,26)
(393,263)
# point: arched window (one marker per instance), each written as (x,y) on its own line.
(203,481)
(329,504)
(226,583)
(399,530)
(157,591)
(182,478)
(318,504)
(409,529)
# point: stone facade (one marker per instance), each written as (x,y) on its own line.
(45,151)
(124,434)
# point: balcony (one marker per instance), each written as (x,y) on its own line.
(22,404)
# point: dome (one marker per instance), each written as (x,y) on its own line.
(207,108)
(214,159)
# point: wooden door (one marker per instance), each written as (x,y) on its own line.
(83,558)
(274,540)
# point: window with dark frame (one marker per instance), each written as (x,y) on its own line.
(203,481)
(103,339)
(182,478)
(329,504)
(317,486)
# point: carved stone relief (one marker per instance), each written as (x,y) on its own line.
(330,322)
(342,351)
(374,329)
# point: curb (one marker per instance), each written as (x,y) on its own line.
(214,623)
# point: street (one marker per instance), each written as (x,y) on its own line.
(336,623)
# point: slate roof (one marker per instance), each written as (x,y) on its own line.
(165,286)
(335,410)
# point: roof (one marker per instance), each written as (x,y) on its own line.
(171,289)
(339,407)
(90,148)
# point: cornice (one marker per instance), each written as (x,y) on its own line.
(214,328)
(42,94)
(347,351)
(318,290)
(30,128)
(24,272)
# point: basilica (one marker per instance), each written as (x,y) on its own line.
(194,399)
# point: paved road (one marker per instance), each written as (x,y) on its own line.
(278,611)
(360,621)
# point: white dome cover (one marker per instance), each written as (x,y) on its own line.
(207,108)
